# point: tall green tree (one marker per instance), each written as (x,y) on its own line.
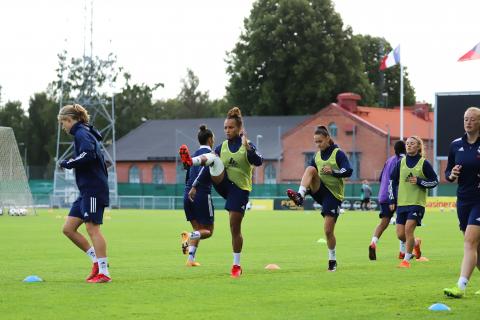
(133,105)
(41,133)
(194,103)
(294,57)
(12,115)
(386,83)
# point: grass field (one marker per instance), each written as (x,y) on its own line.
(150,280)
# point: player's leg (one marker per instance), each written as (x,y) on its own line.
(95,207)
(400,229)
(217,169)
(385,216)
(236,218)
(201,231)
(310,181)
(329,229)
(70,229)
(410,238)
(463,213)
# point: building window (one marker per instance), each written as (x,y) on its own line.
(269,174)
(332,128)
(134,174)
(157,175)
(308,158)
(355,164)
(181,174)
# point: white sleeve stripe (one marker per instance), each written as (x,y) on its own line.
(342,170)
(429,183)
(198,176)
(80,156)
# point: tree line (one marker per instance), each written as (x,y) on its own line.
(293,57)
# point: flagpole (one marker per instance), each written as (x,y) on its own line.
(401,101)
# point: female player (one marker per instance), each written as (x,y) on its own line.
(412,176)
(92,182)
(231,171)
(323,180)
(464,167)
(385,213)
(197,200)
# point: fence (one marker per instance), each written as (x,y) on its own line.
(170,196)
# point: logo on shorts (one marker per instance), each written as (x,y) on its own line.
(414,214)
(85,215)
(461,149)
(478,219)
(243,207)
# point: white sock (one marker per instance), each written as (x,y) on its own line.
(91,253)
(191,253)
(462,283)
(103,266)
(332,254)
(197,161)
(403,247)
(236,258)
(195,235)
(374,240)
(408,256)
(217,167)
(302,190)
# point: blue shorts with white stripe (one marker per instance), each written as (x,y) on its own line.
(200,210)
(89,209)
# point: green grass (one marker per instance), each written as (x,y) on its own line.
(150,280)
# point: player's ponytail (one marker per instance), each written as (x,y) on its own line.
(203,134)
(74,111)
(322,130)
(236,115)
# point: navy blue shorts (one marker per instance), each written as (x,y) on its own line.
(385,211)
(237,198)
(468,213)
(89,209)
(330,205)
(410,214)
(200,210)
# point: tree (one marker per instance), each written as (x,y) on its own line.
(12,115)
(294,57)
(194,103)
(41,133)
(133,105)
(387,82)
(84,76)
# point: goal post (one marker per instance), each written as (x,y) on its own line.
(15,195)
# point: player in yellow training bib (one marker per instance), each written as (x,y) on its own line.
(231,168)
(412,176)
(323,180)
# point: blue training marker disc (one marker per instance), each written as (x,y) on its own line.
(32,279)
(439,307)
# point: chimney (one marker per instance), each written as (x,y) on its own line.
(422,110)
(348,101)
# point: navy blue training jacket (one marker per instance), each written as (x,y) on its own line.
(89,163)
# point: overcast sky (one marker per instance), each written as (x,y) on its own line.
(156,41)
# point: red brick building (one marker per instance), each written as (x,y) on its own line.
(365,134)
(148,154)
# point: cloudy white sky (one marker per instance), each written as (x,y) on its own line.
(156,41)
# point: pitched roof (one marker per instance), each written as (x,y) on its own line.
(160,139)
(389,119)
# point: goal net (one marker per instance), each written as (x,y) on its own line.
(15,195)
